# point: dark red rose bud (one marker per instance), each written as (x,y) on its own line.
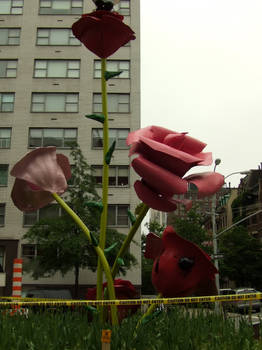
(102,32)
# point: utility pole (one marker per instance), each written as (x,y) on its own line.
(214,229)
(214,226)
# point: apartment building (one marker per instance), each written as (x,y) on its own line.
(48,82)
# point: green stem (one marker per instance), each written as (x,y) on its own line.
(129,238)
(99,251)
(103,220)
(148,311)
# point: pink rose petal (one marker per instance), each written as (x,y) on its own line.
(164,158)
(27,200)
(41,169)
(154,201)
(207,183)
(39,174)
(186,143)
(161,180)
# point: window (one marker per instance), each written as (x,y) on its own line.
(61,7)
(54,102)
(113,66)
(8,68)
(5,137)
(123,7)
(56,36)
(57,69)
(49,212)
(7,100)
(3,174)
(29,251)
(11,7)
(118,175)
(118,135)
(2,214)
(2,259)
(117,215)
(116,103)
(39,137)
(9,36)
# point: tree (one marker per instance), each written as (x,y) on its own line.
(242,260)
(62,246)
(147,264)
(191,228)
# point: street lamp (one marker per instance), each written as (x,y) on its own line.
(214,229)
(214,226)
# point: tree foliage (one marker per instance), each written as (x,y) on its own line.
(62,245)
(242,261)
(191,228)
(147,264)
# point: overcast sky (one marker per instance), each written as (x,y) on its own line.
(202,73)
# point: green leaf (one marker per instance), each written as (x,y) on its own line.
(96,205)
(108,249)
(109,153)
(120,262)
(98,117)
(151,316)
(131,216)
(109,75)
(92,309)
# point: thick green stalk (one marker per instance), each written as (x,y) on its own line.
(103,220)
(129,238)
(148,312)
(99,251)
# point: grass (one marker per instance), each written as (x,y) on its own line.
(176,329)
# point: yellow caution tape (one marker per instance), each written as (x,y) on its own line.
(188,300)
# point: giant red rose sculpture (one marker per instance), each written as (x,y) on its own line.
(102,32)
(164,158)
(124,290)
(180,267)
(39,174)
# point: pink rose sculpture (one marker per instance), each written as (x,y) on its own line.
(39,174)
(164,157)
(180,267)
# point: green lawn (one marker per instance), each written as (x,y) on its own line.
(176,329)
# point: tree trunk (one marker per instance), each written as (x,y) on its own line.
(76,281)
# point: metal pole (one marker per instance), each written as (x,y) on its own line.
(214,226)
(214,229)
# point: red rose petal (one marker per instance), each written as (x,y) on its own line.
(172,281)
(154,246)
(102,32)
(146,195)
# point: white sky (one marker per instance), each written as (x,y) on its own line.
(202,73)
